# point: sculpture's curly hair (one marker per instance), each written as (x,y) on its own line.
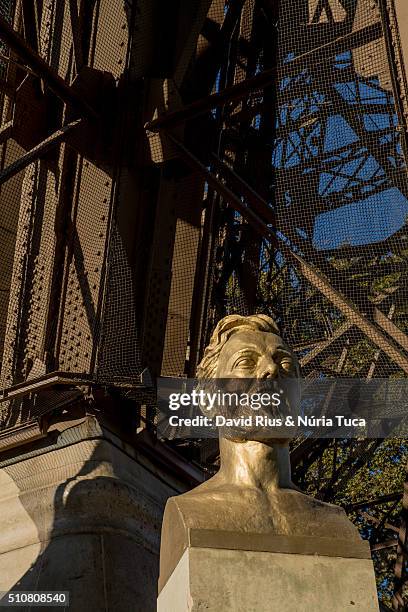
(207,368)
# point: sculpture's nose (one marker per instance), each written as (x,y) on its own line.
(267,368)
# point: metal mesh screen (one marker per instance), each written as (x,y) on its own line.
(321,145)
(341,184)
(337,188)
(58,197)
(335,185)
(121,249)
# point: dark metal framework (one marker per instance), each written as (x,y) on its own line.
(255,161)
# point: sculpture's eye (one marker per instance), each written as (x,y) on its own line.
(286,365)
(244,363)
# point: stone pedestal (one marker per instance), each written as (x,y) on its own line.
(84,517)
(236,572)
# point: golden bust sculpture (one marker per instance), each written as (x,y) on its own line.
(252,493)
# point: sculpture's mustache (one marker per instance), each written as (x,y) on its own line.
(244,397)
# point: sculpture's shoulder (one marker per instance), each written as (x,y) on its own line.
(214,505)
(192,509)
(312,517)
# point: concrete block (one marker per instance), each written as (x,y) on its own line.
(222,580)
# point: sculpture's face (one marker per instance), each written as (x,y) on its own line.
(268,362)
(256,354)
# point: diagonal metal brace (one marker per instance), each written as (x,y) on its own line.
(263,79)
(43,147)
(43,70)
(308,271)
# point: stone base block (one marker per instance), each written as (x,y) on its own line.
(222,580)
(84,519)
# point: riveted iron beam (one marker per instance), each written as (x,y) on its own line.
(76,34)
(309,272)
(259,81)
(400,569)
(236,203)
(378,522)
(6,131)
(386,544)
(322,346)
(368,503)
(31,21)
(261,208)
(43,70)
(393,330)
(320,282)
(43,147)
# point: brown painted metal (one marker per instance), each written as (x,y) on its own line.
(32,23)
(322,346)
(395,14)
(393,330)
(398,602)
(382,545)
(250,216)
(88,221)
(320,282)
(54,234)
(241,90)
(377,521)
(368,503)
(43,70)
(76,32)
(183,269)
(6,131)
(397,68)
(202,281)
(41,149)
(168,299)
(309,272)
(66,241)
(259,205)
(33,250)
(398,16)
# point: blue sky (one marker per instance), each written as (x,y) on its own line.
(359,203)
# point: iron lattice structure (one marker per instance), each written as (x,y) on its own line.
(255,160)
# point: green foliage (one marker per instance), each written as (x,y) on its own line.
(349,472)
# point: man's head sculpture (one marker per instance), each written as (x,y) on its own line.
(250,348)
